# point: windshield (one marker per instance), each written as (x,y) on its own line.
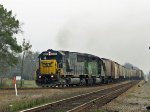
(48,57)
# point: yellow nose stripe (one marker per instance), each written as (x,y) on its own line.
(48,66)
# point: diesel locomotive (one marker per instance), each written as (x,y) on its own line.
(65,68)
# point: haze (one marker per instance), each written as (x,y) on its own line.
(114,29)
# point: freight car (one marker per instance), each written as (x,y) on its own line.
(73,68)
(117,72)
(112,70)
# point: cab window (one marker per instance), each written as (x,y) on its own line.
(48,57)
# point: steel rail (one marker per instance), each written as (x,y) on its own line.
(102,99)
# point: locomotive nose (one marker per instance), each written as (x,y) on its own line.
(48,67)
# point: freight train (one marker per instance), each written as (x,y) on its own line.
(65,68)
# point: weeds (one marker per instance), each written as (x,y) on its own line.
(99,110)
(147,97)
(20,105)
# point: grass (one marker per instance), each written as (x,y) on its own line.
(5,82)
(99,110)
(24,104)
(29,83)
(27,104)
(8,83)
(147,97)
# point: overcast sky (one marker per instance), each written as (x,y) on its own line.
(114,29)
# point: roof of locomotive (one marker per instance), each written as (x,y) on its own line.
(62,52)
(51,50)
(82,54)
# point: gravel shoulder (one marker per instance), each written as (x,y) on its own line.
(136,99)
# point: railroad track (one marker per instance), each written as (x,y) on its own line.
(82,102)
(70,87)
(67,87)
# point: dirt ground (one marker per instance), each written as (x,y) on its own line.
(136,99)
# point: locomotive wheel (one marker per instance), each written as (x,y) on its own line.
(82,82)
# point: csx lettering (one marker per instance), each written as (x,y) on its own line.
(47,64)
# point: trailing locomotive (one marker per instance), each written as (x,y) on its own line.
(73,68)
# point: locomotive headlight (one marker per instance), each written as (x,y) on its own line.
(52,76)
(39,77)
(49,53)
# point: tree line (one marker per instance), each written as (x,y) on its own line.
(15,59)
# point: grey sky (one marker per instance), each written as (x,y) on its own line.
(115,29)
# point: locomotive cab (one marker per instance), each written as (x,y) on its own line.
(50,67)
